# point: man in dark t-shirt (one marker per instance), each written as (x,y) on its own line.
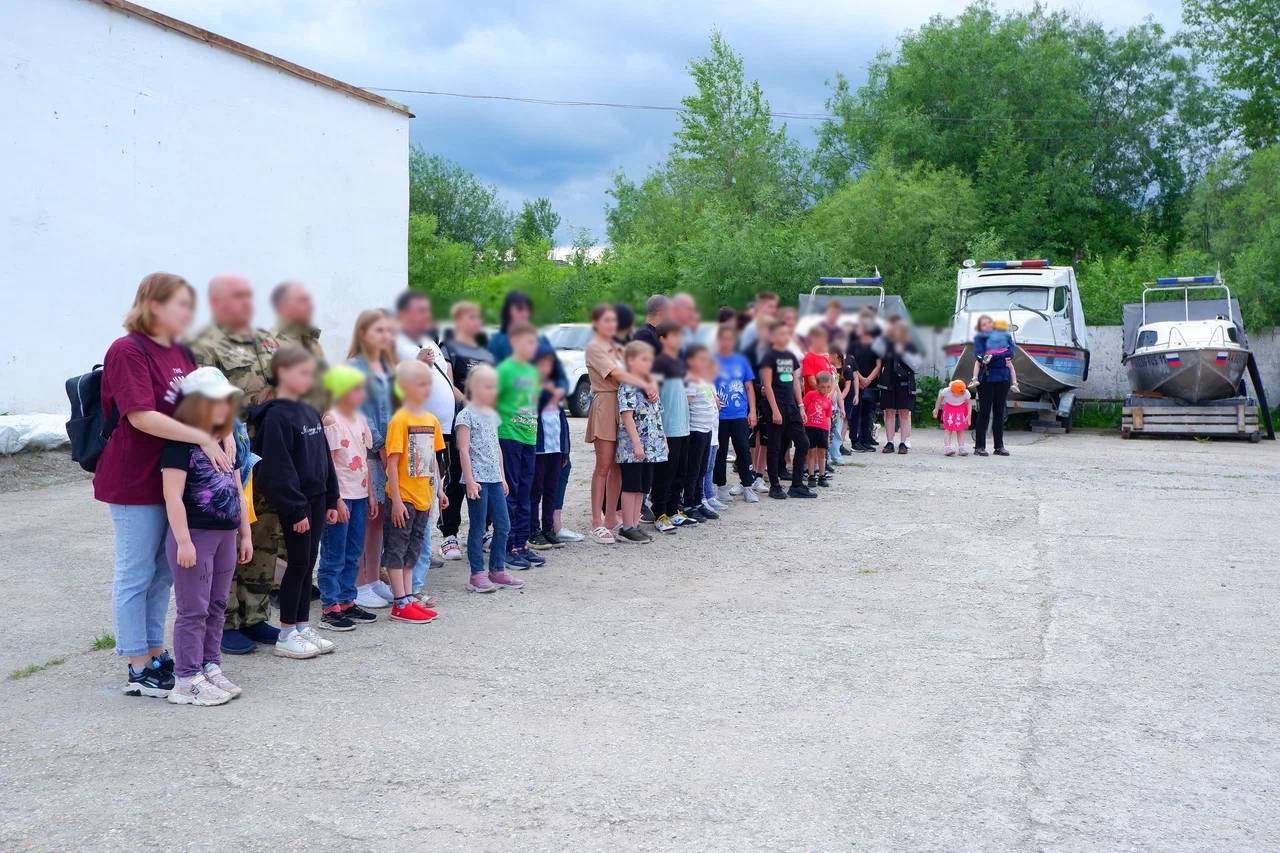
(779,369)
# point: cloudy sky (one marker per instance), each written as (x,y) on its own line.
(578,50)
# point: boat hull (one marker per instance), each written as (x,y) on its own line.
(1194,374)
(1043,370)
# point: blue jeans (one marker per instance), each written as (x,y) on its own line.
(833,443)
(708,487)
(141,583)
(491,506)
(423,565)
(518,460)
(341,545)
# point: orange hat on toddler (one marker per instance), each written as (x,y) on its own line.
(957,387)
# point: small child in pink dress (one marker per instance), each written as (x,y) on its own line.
(953,409)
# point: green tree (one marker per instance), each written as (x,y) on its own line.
(1241,38)
(466,210)
(437,265)
(537,221)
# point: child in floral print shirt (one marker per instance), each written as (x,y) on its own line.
(641,442)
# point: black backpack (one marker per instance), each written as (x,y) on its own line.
(89,427)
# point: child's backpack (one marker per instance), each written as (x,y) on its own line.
(89,427)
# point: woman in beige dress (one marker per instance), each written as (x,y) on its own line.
(605,369)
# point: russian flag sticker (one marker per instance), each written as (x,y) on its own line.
(1173,359)
(1221,358)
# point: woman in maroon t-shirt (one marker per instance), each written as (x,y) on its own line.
(140,378)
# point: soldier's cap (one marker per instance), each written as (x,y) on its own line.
(207,382)
(341,378)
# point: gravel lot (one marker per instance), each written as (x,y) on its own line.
(1073,648)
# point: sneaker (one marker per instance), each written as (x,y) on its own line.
(683,519)
(166,661)
(708,510)
(813,480)
(904,449)
(600,536)
(539,542)
(949,451)
(367,598)
(450,549)
(435,562)
(777,493)
(784,473)
(634,535)
(722,494)
(552,539)
(262,632)
(151,681)
(830,468)
(963,451)
(358,614)
(979,451)
(516,561)
(801,492)
(234,642)
(214,673)
(564,534)
(824,482)
(479,582)
(532,557)
(751,496)
(664,524)
(412,612)
(716,504)
(760,485)
(888,447)
(313,637)
(845,450)
(295,645)
(488,540)
(1000,451)
(383,589)
(646,514)
(198,691)
(504,580)
(735,490)
(336,620)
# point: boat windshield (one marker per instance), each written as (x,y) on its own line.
(1000,298)
(571,337)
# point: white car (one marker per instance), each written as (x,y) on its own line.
(570,341)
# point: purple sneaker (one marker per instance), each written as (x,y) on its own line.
(505,580)
(480,583)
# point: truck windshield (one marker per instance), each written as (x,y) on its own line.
(1000,298)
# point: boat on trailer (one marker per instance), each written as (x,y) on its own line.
(1189,349)
(1042,306)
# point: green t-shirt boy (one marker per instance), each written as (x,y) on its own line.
(518,388)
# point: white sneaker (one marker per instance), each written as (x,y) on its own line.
(199,691)
(450,549)
(723,494)
(213,672)
(295,645)
(383,590)
(370,600)
(750,496)
(760,485)
(313,636)
(717,504)
(735,490)
(564,534)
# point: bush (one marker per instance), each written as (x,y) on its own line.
(928,386)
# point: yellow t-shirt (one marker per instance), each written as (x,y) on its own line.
(417,437)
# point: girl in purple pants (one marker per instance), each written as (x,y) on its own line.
(206,510)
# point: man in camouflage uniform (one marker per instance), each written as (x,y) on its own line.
(243,353)
(295,311)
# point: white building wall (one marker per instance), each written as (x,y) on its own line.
(127,148)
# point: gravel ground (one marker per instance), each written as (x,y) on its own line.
(1073,648)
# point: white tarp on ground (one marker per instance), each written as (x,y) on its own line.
(32,432)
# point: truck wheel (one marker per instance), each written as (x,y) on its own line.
(580,399)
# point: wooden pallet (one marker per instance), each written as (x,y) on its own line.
(1234,419)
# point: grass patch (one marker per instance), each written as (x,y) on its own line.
(28,671)
(1095,414)
(103,642)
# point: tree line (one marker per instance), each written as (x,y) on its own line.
(1036,133)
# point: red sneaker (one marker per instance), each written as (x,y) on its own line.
(412,612)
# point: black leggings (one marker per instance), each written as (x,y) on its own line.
(695,467)
(668,478)
(301,550)
(993,398)
(790,431)
(454,489)
(737,432)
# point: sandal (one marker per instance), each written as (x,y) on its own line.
(603,536)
